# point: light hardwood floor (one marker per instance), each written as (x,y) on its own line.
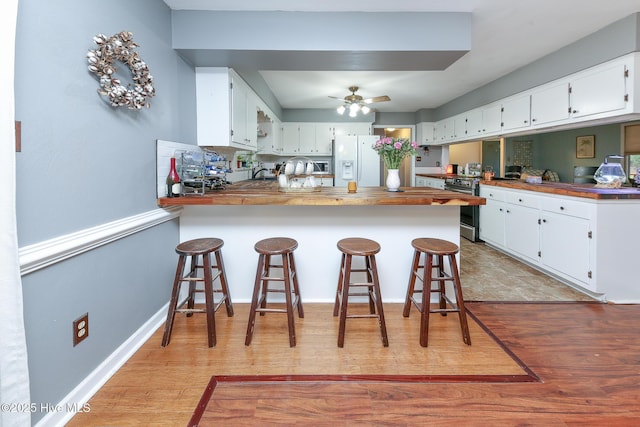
(162,386)
(585,354)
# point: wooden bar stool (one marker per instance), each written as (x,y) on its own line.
(435,250)
(350,247)
(194,249)
(267,248)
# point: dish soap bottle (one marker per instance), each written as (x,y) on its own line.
(173,180)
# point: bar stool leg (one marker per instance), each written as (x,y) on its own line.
(336,305)
(289,304)
(464,326)
(266,271)
(426,297)
(378,300)
(345,300)
(208,299)
(372,304)
(412,283)
(223,284)
(192,284)
(296,289)
(254,299)
(173,304)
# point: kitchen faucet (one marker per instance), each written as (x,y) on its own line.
(256,172)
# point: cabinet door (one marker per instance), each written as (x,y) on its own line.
(459,127)
(522,231)
(307,138)
(492,119)
(238,113)
(427,133)
(290,139)
(474,123)
(565,245)
(516,113)
(598,92)
(251,123)
(420,181)
(492,222)
(324,139)
(550,104)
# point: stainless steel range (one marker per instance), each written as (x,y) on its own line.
(469,215)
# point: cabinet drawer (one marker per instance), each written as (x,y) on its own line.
(490,192)
(567,207)
(523,199)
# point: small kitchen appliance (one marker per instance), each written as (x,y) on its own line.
(610,173)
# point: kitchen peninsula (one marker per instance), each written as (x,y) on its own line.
(248,211)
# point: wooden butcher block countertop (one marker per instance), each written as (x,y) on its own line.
(588,191)
(266,193)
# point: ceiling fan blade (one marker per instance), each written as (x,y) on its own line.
(336,97)
(376,99)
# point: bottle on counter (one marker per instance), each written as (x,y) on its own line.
(173,180)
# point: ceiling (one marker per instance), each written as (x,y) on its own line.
(506,35)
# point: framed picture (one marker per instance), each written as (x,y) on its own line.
(586,147)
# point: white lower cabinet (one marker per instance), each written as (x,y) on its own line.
(492,222)
(565,246)
(553,233)
(426,181)
(522,230)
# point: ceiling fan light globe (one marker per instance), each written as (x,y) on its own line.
(352,113)
(365,109)
(341,110)
(353,108)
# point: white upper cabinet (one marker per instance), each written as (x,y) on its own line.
(600,90)
(474,123)
(491,119)
(307,139)
(226,108)
(550,104)
(323,140)
(426,133)
(516,112)
(244,114)
(353,129)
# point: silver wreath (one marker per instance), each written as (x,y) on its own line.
(102,62)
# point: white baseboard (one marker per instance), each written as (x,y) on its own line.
(81,394)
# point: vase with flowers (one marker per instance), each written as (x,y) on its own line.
(393,151)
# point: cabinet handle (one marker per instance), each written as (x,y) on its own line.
(526,121)
(561,208)
(544,220)
(574,111)
(520,200)
(533,120)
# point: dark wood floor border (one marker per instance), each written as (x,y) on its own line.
(529,377)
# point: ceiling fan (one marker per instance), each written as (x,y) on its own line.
(357,103)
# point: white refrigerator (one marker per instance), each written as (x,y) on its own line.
(355,160)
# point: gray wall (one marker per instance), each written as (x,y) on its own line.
(84,163)
(556,151)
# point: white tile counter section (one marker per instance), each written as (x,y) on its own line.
(164,151)
(317,230)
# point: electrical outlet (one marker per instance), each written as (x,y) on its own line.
(80,329)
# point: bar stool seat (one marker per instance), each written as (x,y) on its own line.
(435,251)
(195,249)
(361,247)
(267,248)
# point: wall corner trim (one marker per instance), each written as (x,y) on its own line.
(43,254)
